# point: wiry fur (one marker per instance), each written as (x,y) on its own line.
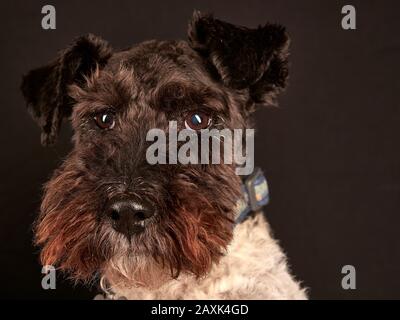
(145,87)
(254,267)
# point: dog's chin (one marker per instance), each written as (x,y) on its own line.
(138,263)
(135,271)
(150,259)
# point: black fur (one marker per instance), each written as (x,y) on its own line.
(45,88)
(244,58)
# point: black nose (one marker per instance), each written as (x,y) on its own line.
(129,217)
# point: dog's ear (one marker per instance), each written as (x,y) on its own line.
(253,59)
(45,88)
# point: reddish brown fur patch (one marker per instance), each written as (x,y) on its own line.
(199,237)
(67,229)
(198,233)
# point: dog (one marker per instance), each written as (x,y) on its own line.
(158,231)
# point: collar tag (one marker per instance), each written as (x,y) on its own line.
(255,195)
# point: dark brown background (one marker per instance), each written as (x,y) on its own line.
(331,153)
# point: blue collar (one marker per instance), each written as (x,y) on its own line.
(255,195)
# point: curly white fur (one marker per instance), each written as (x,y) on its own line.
(254,267)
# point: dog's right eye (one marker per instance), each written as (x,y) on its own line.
(105,120)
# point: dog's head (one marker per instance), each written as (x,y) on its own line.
(107,211)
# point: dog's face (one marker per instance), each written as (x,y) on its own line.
(107,211)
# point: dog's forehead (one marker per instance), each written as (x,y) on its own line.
(156,62)
(165,73)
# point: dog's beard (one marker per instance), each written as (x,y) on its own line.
(134,270)
(190,233)
(190,240)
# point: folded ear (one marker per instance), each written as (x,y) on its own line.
(253,59)
(45,88)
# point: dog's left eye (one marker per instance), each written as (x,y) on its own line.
(197,121)
(105,120)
